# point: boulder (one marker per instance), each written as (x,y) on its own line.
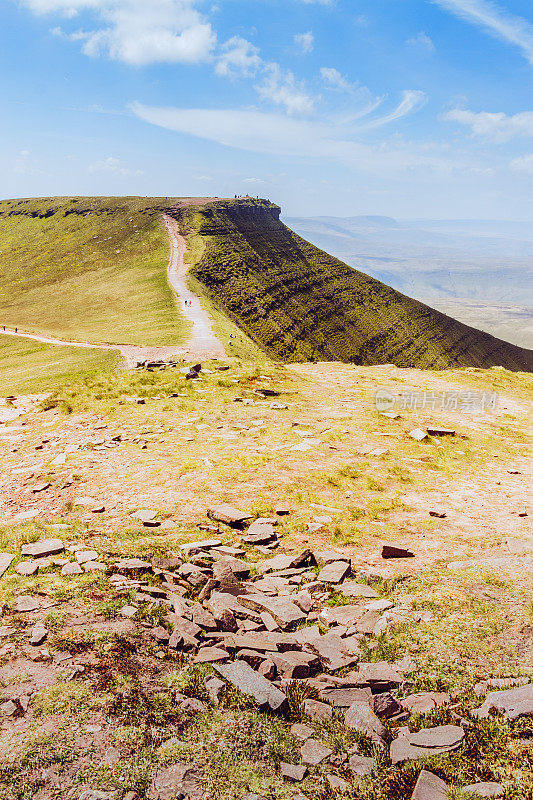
(316,710)
(313,752)
(334,572)
(361,765)
(293,772)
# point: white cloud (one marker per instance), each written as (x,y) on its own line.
(333,78)
(523,164)
(422,42)
(278,134)
(203,178)
(411,100)
(115,166)
(497,127)
(496,20)
(252,180)
(318,2)
(239,58)
(305,41)
(138,32)
(281,87)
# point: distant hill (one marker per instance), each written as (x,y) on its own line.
(299,303)
(478,271)
(94,269)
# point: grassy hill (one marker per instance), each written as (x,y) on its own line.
(299,303)
(88,269)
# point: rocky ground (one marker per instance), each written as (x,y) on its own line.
(233,583)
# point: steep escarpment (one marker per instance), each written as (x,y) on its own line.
(299,303)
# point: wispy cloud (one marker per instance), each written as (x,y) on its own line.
(523,164)
(496,127)
(305,41)
(411,100)
(496,20)
(115,166)
(283,89)
(239,58)
(281,135)
(421,42)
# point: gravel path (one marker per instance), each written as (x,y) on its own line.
(203,342)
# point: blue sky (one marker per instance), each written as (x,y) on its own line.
(409,108)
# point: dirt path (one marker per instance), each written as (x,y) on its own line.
(203,342)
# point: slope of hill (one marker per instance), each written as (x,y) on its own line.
(476,271)
(89,269)
(299,303)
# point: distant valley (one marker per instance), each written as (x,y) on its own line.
(477,271)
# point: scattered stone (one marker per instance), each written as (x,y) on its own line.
(27,567)
(208,654)
(38,634)
(316,710)
(353,589)
(180,779)
(9,708)
(5,562)
(422,702)
(438,514)
(6,630)
(512,703)
(313,752)
(385,705)
(429,787)
(301,731)
(334,572)
(285,613)
(94,566)
(26,603)
(128,611)
(293,772)
(196,547)
(215,687)
(440,431)
(361,765)
(145,515)
(82,556)
(127,565)
(337,784)
(72,568)
(42,548)
(361,717)
(243,677)
(40,487)
(485,789)
(427,742)
(228,514)
(418,434)
(389,550)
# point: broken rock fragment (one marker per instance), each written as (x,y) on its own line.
(244,678)
(390,550)
(512,703)
(228,514)
(361,717)
(313,752)
(429,787)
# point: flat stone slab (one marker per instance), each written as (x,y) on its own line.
(26,603)
(313,752)
(244,678)
(512,703)
(334,572)
(293,772)
(422,702)
(207,655)
(361,765)
(485,789)
(403,748)
(283,611)
(196,547)
(429,787)
(42,548)
(354,589)
(5,562)
(442,736)
(342,615)
(227,514)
